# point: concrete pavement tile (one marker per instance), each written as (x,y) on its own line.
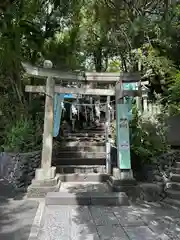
(158,209)
(81,215)
(128,217)
(100,209)
(56,224)
(110,223)
(158,225)
(103,216)
(163,224)
(54,233)
(130,220)
(144,233)
(173,231)
(105,219)
(83,232)
(112,233)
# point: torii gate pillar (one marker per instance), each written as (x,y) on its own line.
(45,177)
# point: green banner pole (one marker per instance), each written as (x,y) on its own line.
(122,130)
(123,142)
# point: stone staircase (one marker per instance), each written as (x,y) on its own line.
(80,159)
(81,156)
(173,187)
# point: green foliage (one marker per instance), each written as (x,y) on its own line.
(95,35)
(173,96)
(148,136)
(22,136)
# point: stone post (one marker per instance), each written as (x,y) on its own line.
(108,144)
(122,178)
(91,112)
(46,171)
(139,99)
(145,99)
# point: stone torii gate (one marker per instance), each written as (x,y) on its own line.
(45,177)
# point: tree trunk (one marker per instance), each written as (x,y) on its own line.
(98,58)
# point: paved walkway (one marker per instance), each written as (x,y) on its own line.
(143,221)
(140,222)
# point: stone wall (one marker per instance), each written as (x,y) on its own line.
(161,168)
(19,168)
(173,136)
(153,178)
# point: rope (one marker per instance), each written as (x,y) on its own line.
(88,104)
(80,104)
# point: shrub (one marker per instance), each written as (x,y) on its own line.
(22,136)
(147,136)
(173,96)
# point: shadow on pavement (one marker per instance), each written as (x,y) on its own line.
(16,213)
(143,220)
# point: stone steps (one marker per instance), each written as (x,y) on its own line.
(89,191)
(79,161)
(85,134)
(91,129)
(172,202)
(173,191)
(175,170)
(177,165)
(81,186)
(81,177)
(87,198)
(173,186)
(175,177)
(94,131)
(80,144)
(83,138)
(94,185)
(79,148)
(80,169)
(173,194)
(81,154)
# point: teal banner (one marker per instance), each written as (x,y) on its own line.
(58,99)
(122,133)
(68,95)
(129,100)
